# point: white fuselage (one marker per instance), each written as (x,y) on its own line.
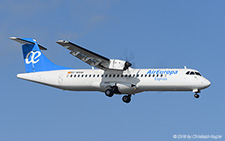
(130,81)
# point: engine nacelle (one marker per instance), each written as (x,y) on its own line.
(119,64)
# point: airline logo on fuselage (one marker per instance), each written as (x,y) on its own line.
(32,57)
(169,72)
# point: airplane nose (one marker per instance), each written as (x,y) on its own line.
(207,83)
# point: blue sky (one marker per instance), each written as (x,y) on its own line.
(159,33)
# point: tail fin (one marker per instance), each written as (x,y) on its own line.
(33,58)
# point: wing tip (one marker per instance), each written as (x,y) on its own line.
(12,38)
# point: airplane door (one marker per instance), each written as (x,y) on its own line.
(60,79)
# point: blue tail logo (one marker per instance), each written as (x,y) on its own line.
(34,59)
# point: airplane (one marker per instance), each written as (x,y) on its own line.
(113,76)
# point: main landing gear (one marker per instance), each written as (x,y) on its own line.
(110,91)
(127,98)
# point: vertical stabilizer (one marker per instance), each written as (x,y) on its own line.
(34,59)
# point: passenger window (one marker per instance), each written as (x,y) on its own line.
(153,75)
(141,75)
(149,75)
(90,75)
(106,75)
(145,75)
(192,73)
(121,75)
(71,75)
(161,75)
(78,75)
(118,75)
(133,75)
(98,75)
(137,75)
(110,75)
(157,75)
(114,75)
(125,75)
(129,75)
(86,75)
(188,72)
(93,75)
(75,75)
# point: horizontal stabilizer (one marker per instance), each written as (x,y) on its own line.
(27,41)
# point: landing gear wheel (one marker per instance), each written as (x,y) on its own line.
(126,98)
(109,92)
(196,95)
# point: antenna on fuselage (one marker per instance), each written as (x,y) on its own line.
(185,67)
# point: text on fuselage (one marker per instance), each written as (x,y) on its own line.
(169,72)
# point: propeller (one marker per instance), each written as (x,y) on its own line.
(127,65)
(129,57)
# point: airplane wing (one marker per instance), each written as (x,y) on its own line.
(94,59)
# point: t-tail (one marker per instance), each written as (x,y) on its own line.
(34,59)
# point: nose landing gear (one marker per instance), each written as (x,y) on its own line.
(196,91)
(196,95)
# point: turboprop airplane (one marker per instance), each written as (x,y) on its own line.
(112,76)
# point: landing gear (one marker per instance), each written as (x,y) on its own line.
(196,91)
(126,98)
(196,95)
(109,92)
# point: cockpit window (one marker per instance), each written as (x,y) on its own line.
(197,73)
(192,73)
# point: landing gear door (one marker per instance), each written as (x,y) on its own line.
(104,85)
